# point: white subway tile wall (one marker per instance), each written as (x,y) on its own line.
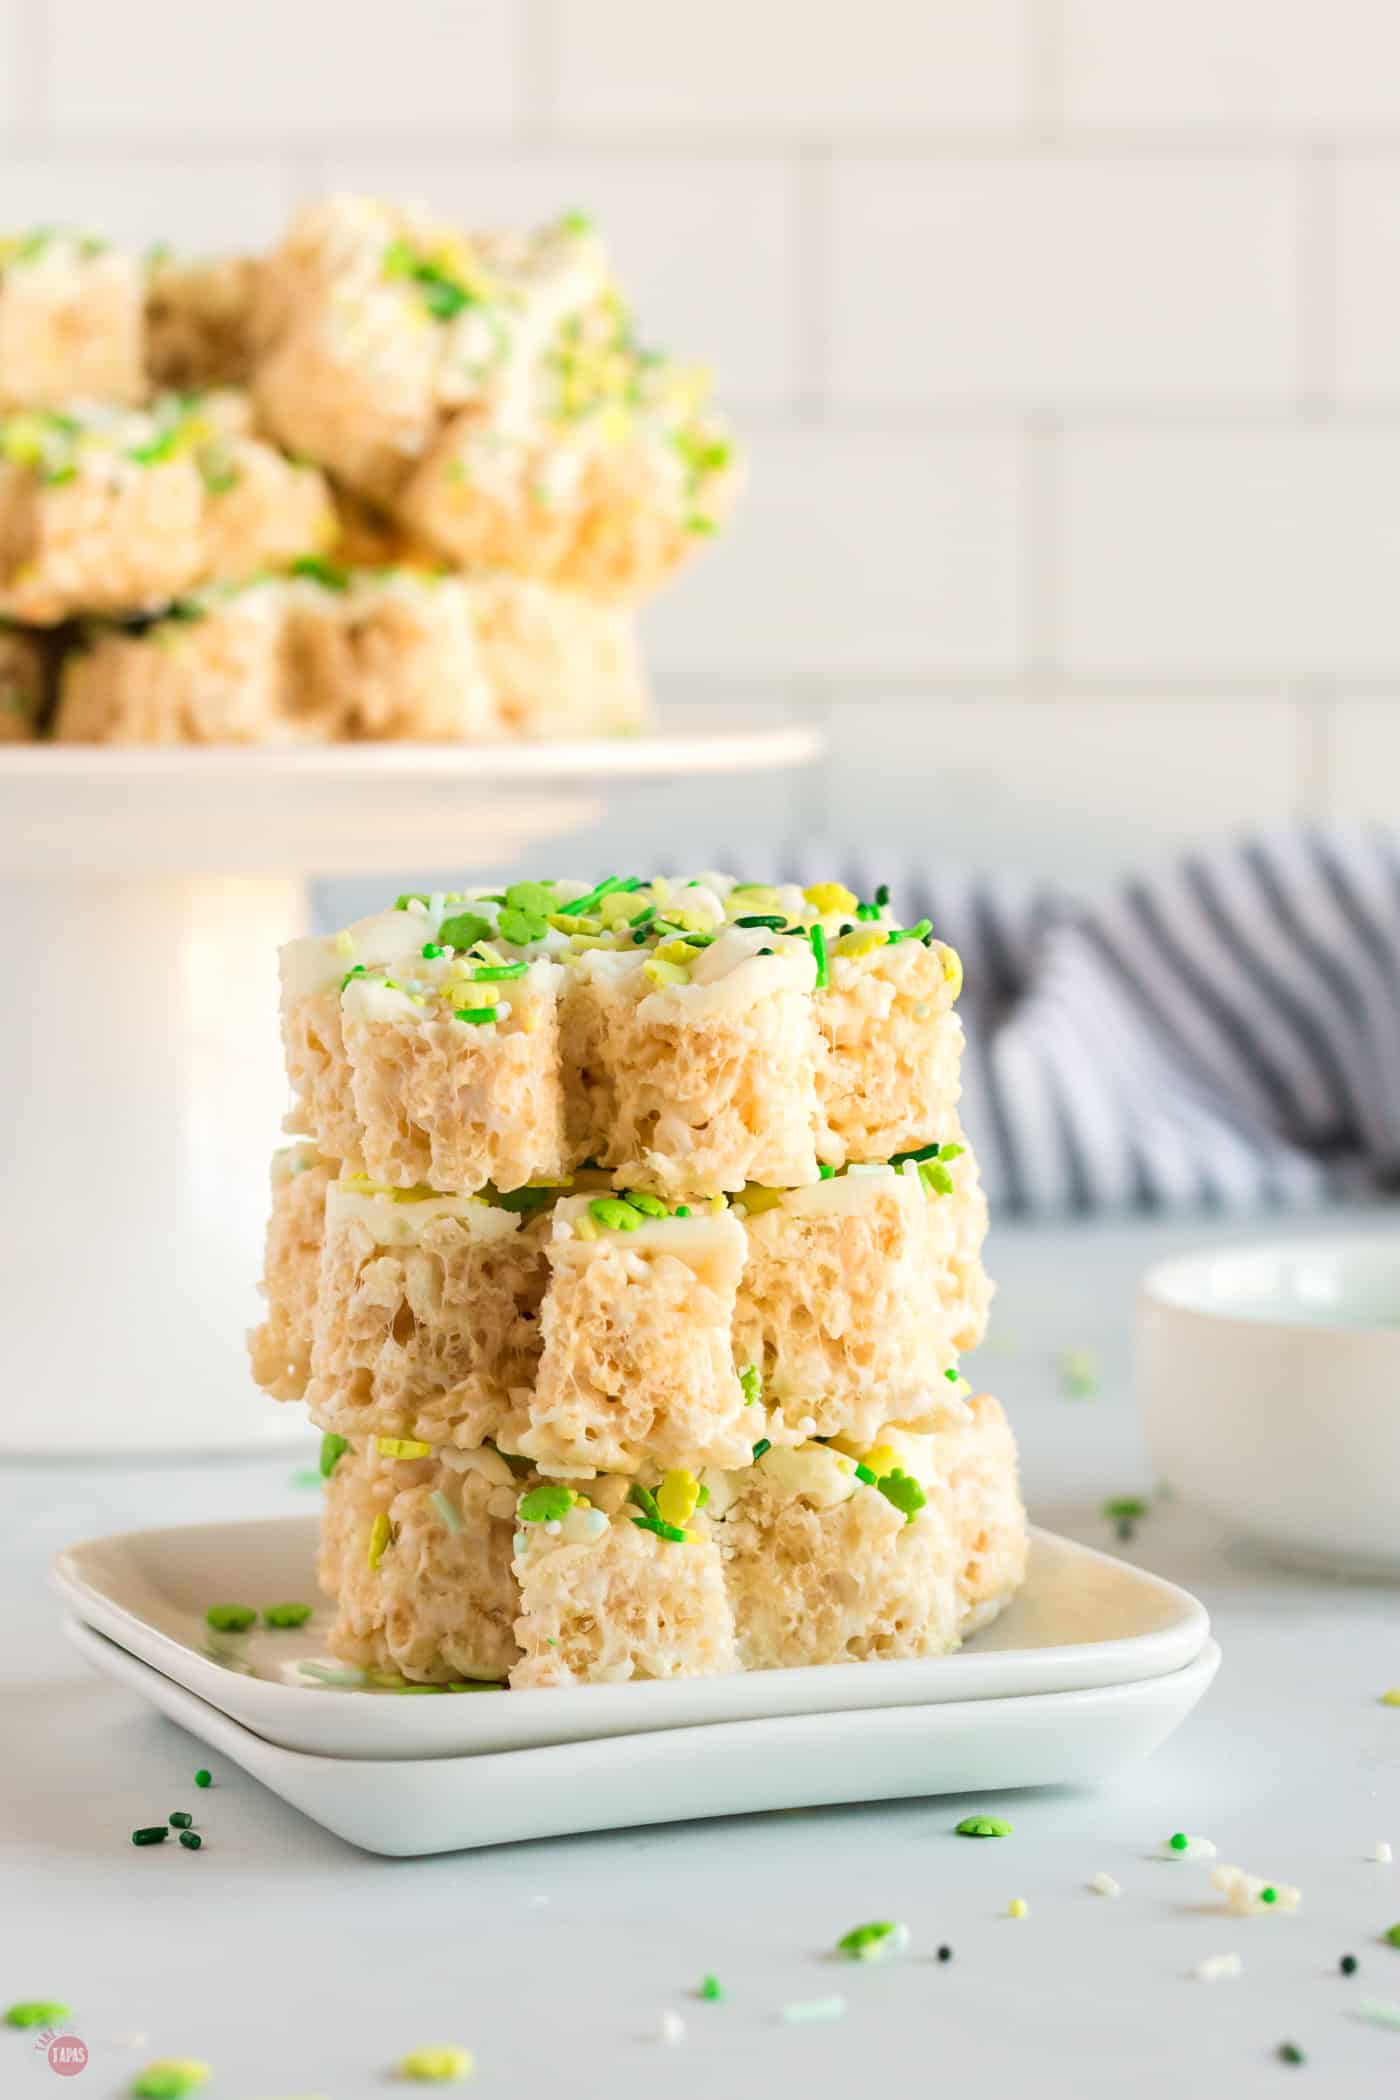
(1065,335)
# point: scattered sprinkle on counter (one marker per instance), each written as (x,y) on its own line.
(181,1820)
(1249,1897)
(873,1942)
(983,1827)
(1382,1854)
(1392,1697)
(230,1618)
(1381,2012)
(203,1778)
(1081,1373)
(1392,1936)
(801,2012)
(1348,1965)
(1216,1967)
(1180,1845)
(945,1953)
(1105,1885)
(711,1989)
(440,2064)
(1290,2053)
(170,2079)
(1018,1908)
(671,2027)
(191,1840)
(286,1615)
(150,1834)
(37,2012)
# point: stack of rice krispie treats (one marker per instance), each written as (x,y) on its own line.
(625,1257)
(391,480)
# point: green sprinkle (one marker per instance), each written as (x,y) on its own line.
(1290,2053)
(1125,1507)
(673,1533)
(1348,1965)
(952,1374)
(287,1615)
(477,1016)
(546,1503)
(1178,1841)
(764,1444)
(751,1379)
(38,2012)
(170,2079)
(710,1989)
(643,1499)
(521,927)
(863,1473)
(802,2011)
(909,933)
(191,1840)
(430,951)
(331,577)
(1381,2012)
(903,1491)
(230,1618)
(882,896)
(873,1942)
(578,906)
(934,1175)
(825,1173)
(355,970)
(650,1206)
(333,1448)
(773,921)
(305,1477)
(203,1778)
(180,1821)
(1392,1937)
(614,1213)
(1081,1373)
(983,1827)
(818,940)
(410,897)
(464,929)
(497,973)
(150,1834)
(682,1210)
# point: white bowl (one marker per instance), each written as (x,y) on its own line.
(1269,1383)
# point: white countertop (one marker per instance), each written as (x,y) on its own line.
(298,1967)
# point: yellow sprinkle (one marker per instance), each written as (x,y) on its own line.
(675,952)
(717,1204)
(437,2066)
(585,1229)
(172,2074)
(677,1496)
(953,970)
(864,940)
(880,1458)
(659,972)
(828,897)
(401,1447)
(1392,1697)
(344,945)
(1018,1908)
(379,1535)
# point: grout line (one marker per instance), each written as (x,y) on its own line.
(1199,685)
(1315,750)
(1041,550)
(952,415)
(537,45)
(32,67)
(1045,71)
(1317,279)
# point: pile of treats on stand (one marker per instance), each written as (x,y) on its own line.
(392,480)
(625,1259)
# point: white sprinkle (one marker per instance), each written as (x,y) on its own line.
(554,1527)
(672,2027)
(1194,1848)
(447,1512)
(803,2009)
(1105,1885)
(1381,2012)
(1217,1965)
(1382,1854)
(1244,1893)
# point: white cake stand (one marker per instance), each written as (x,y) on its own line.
(143,897)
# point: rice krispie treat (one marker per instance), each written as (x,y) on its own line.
(199,320)
(558,665)
(679,1035)
(489,389)
(213,671)
(281,1347)
(975,1460)
(388,653)
(109,512)
(71,322)
(23,686)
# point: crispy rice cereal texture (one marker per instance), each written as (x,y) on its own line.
(850,1306)
(318,1071)
(429,1317)
(637,1362)
(891,1048)
(390,656)
(609,517)
(818,1572)
(452,1104)
(630,1606)
(557,664)
(976,1460)
(22,687)
(198,321)
(71,323)
(216,679)
(439,1601)
(281,1347)
(698,1087)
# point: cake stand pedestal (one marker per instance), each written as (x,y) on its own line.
(143,897)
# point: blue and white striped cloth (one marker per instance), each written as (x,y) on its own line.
(1224,1034)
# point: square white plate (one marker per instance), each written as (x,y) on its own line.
(449,1804)
(1082,1621)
